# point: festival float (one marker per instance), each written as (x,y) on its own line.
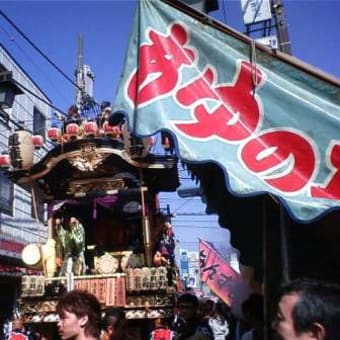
(106,232)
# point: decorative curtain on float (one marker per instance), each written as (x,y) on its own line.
(270,121)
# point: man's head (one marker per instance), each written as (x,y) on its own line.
(58,221)
(309,309)
(112,320)
(80,315)
(18,324)
(187,306)
(206,308)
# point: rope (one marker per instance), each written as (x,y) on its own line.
(35,211)
(38,49)
(253,65)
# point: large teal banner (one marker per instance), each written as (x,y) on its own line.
(272,125)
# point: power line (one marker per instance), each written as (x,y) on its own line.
(38,49)
(224,12)
(192,214)
(29,58)
(36,96)
(194,227)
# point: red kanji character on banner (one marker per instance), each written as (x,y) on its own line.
(237,114)
(159,65)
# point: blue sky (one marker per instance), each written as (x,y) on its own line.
(54,27)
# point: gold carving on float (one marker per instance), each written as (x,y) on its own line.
(88,159)
(82,187)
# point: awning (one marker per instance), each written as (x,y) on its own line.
(269,121)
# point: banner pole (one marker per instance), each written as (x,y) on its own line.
(285,271)
(265,264)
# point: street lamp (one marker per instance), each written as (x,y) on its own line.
(8,90)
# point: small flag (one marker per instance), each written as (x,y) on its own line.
(219,276)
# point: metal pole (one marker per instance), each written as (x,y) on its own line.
(145,226)
(264,265)
(281,26)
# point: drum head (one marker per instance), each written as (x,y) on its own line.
(31,254)
(107,264)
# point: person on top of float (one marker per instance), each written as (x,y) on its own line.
(103,120)
(73,114)
(73,117)
(105,111)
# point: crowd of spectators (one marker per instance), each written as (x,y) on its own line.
(307,309)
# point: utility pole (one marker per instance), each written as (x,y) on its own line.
(281,26)
(265,21)
(80,72)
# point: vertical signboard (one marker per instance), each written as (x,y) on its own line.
(255,11)
(184,264)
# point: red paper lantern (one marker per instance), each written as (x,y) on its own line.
(72,131)
(53,134)
(90,128)
(5,160)
(112,131)
(37,141)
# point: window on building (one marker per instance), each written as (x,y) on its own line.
(6,194)
(39,123)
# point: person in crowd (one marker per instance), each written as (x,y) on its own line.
(21,332)
(79,316)
(218,322)
(161,331)
(308,309)
(187,324)
(206,309)
(113,327)
(252,310)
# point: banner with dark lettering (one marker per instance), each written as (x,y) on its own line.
(271,124)
(220,277)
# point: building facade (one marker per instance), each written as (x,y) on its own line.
(19,224)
